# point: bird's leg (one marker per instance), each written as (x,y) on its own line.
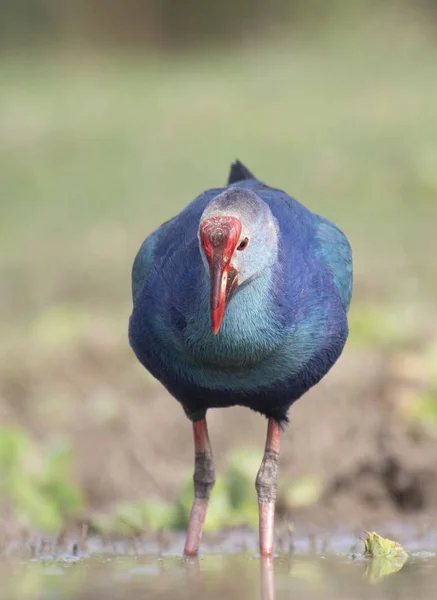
(266,486)
(204,479)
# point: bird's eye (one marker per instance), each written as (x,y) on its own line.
(242,245)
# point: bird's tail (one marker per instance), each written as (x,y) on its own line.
(239,172)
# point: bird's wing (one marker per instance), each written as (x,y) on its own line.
(336,254)
(145,259)
(171,237)
(142,264)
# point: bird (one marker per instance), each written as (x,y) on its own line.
(240,300)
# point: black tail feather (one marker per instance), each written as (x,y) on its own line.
(239,172)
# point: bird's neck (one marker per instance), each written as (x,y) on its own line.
(249,331)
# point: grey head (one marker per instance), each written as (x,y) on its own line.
(238,241)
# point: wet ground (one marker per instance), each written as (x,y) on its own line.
(313,567)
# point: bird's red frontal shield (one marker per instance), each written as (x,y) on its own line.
(219,237)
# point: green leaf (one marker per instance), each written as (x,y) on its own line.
(385,557)
(377,546)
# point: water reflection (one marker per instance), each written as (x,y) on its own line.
(308,575)
(195,579)
(266,571)
(218,577)
(267,578)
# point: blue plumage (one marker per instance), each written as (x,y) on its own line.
(285,325)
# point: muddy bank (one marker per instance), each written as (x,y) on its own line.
(348,431)
(133,442)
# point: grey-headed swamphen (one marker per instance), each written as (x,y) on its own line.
(241,299)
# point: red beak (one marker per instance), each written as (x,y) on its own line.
(219,237)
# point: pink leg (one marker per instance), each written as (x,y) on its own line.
(204,479)
(266,487)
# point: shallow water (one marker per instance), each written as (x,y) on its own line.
(316,568)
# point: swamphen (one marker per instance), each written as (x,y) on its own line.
(241,299)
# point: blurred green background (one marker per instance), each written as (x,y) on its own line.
(113,116)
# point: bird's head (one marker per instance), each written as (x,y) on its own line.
(238,240)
